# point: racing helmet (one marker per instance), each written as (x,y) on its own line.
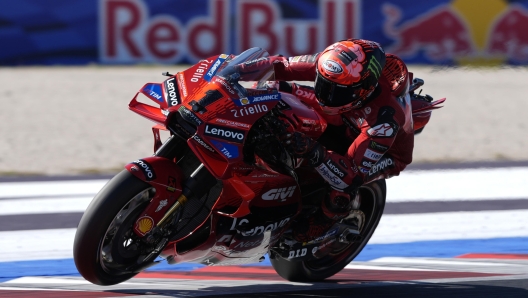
(347,73)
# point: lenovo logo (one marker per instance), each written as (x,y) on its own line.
(228,134)
(335,169)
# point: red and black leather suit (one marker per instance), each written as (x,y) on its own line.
(363,144)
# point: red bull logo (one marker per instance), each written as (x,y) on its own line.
(509,34)
(441,33)
(494,33)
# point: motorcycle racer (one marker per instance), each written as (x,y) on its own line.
(370,131)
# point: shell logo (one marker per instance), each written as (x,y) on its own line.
(144,225)
(244,101)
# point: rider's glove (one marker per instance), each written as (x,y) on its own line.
(305,147)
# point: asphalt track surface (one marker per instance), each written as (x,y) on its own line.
(466,240)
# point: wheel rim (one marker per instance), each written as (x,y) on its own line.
(341,252)
(120,246)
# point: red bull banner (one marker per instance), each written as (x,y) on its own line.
(447,32)
(457,32)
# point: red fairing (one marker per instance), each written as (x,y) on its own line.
(303,116)
(165,177)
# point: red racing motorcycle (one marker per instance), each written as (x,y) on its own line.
(222,189)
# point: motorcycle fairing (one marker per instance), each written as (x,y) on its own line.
(154,92)
(166,178)
(235,234)
(231,241)
(303,117)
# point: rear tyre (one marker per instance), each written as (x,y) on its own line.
(105,244)
(372,205)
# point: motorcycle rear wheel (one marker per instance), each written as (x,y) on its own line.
(102,246)
(372,204)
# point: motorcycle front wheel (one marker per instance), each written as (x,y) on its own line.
(105,246)
(372,205)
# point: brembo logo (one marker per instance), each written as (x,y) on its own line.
(279,193)
(335,169)
(228,134)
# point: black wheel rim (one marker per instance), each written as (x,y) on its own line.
(342,252)
(120,246)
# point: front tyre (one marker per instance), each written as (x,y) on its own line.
(105,244)
(372,205)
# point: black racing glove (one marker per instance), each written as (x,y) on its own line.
(305,147)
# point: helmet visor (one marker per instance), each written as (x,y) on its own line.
(334,95)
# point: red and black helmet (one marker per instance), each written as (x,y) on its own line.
(347,73)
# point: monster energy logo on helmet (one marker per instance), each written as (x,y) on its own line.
(374,67)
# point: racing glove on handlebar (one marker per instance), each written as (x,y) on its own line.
(303,146)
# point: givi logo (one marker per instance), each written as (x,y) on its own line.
(279,193)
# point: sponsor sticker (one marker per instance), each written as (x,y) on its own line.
(181,83)
(305,94)
(214,68)
(373,155)
(171,184)
(383,130)
(229,150)
(248,63)
(297,253)
(226,85)
(332,66)
(162,204)
(283,106)
(279,193)
(294,59)
(189,116)
(153,91)
(378,146)
(335,169)
(144,225)
(203,144)
(257,99)
(233,123)
(171,92)
(367,163)
(225,133)
(330,177)
(384,163)
(251,110)
(146,168)
(258,230)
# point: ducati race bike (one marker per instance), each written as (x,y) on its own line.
(222,189)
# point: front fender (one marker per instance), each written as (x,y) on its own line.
(166,178)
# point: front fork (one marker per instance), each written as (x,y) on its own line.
(171,192)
